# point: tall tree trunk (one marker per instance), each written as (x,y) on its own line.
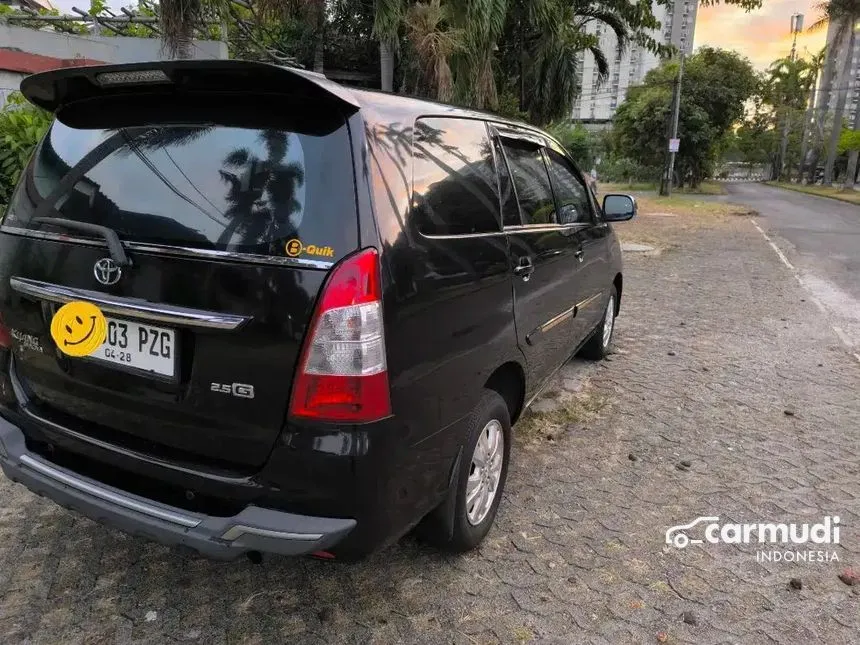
(822,108)
(319,47)
(840,108)
(522,66)
(852,156)
(783,146)
(804,133)
(386,66)
(183,49)
(319,58)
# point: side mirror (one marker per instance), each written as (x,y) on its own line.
(619,208)
(568,215)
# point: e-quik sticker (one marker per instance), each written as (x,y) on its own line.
(294,248)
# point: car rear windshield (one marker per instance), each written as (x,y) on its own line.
(239,188)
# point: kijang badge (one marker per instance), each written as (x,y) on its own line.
(78,328)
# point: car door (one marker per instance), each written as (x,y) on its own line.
(543,255)
(576,207)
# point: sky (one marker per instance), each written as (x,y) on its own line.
(761,35)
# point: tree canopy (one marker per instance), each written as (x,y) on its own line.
(716,85)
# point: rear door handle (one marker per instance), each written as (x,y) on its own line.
(525,267)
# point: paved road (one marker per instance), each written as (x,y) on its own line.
(824,236)
(715,341)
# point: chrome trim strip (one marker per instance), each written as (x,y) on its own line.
(239,530)
(174,251)
(103,494)
(454,236)
(588,301)
(517,228)
(169,314)
(552,322)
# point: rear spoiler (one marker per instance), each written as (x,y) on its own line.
(57,89)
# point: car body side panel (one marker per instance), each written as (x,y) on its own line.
(447,303)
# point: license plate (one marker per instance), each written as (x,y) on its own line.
(146,348)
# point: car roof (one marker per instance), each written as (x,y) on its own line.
(416,107)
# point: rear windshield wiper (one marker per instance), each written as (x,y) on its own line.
(117,252)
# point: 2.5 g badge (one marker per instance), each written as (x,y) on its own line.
(241,390)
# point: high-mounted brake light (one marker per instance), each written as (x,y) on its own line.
(342,374)
(133,77)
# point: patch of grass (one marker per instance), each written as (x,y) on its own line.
(579,409)
(667,223)
(850,196)
(603,189)
(640,237)
(705,188)
(688,205)
(523,634)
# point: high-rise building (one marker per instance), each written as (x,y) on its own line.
(851,83)
(597,102)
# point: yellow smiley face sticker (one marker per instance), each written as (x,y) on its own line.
(78,328)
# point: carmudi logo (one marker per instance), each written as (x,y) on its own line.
(773,534)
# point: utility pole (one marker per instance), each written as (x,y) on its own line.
(796,27)
(666,184)
(807,122)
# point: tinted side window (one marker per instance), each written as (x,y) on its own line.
(532,182)
(454,187)
(573,204)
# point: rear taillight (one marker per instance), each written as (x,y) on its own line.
(342,375)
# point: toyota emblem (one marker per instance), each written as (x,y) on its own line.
(107,271)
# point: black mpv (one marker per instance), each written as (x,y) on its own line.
(323,308)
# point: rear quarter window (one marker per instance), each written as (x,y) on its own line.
(244,189)
(454,184)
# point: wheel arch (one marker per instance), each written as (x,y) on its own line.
(509,380)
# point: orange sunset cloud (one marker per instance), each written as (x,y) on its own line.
(761,35)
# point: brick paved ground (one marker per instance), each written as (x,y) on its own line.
(577,554)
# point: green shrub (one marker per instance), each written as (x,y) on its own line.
(21,127)
(579,142)
(624,169)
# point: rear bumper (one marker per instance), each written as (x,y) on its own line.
(223,538)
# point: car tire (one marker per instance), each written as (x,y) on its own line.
(599,345)
(460,524)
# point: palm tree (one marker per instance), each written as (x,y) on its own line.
(816,67)
(845,14)
(433,43)
(555,49)
(787,83)
(388,15)
(177,19)
(482,23)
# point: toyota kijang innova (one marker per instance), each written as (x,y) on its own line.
(314,312)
